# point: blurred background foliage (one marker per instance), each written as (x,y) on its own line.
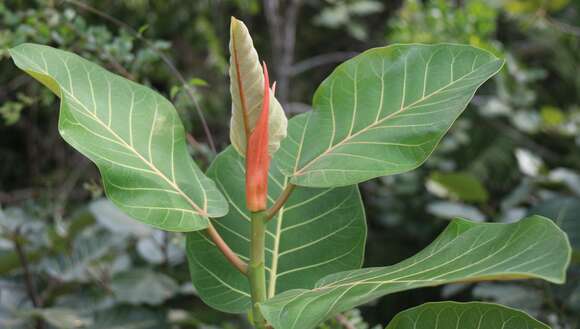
(69,259)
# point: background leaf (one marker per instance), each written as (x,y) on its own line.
(318,232)
(62,318)
(247,91)
(109,216)
(132,134)
(124,317)
(475,315)
(460,186)
(566,214)
(143,286)
(384,111)
(531,248)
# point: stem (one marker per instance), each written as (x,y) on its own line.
(26,269)
(282,198)
(256,269)
(34,299)
(230,255)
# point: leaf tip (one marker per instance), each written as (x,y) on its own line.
(233,21)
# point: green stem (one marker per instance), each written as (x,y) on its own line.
(256,267)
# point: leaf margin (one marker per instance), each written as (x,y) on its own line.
(393,324)
(305,179)
(26,64)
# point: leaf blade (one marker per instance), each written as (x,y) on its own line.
(563,210)
(472,315)
(494,252)
(132,134)
(384,111)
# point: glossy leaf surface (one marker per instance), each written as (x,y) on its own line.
(531,248)
(132,134)
(475,315)
(318,232)
(246,81)
(384,111)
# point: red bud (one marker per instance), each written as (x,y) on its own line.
(257,156)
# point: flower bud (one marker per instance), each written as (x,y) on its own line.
(257,156)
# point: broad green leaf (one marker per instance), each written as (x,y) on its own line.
(459,186)
(318,232)
(143,286)
(132,134)
(246,89)
(566,214)
(531,248)
(133,317)
(61,318)
(474,315)
(384,111)
(84,254)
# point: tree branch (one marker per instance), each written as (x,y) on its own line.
(563,27)
(283,39)
(30,289)
(320,60)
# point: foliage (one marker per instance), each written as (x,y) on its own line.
(145,176)
(333,216)
(140,150)
(465,251)
(468,315)
(527,162)
(515,142)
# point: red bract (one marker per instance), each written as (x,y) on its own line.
(257,156)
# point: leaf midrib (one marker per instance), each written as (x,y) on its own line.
(276,250)
(241,91)
(398,280)
(377,122)
(151,165)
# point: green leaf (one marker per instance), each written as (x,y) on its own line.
(318,232)
(77,262)
(143,286)
(565,212)
(384,111)
(132,134)
(531,248)
(124,317)
(474,315)
(247,91)
(62,318)
(460,186)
